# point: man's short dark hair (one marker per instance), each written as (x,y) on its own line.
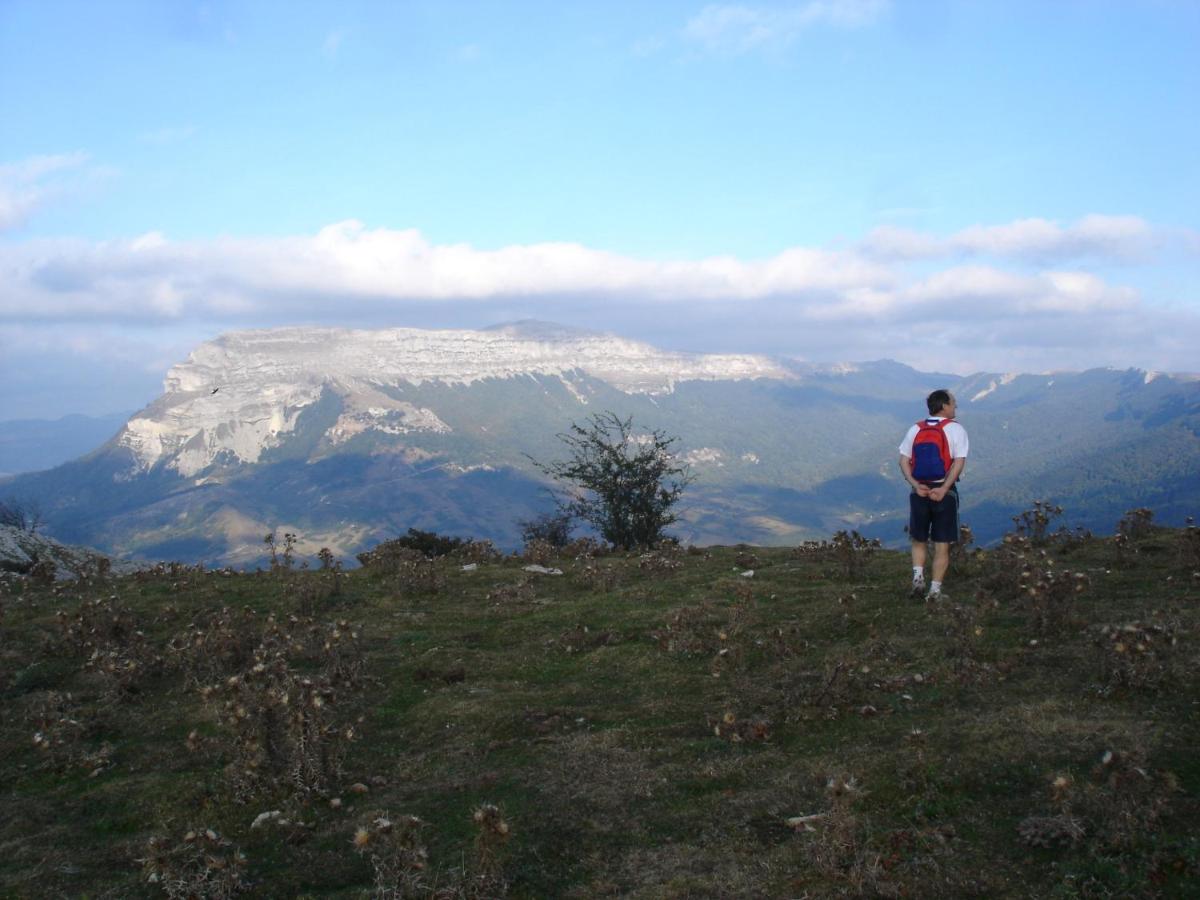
(936,400)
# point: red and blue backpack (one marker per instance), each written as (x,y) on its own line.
(931,451)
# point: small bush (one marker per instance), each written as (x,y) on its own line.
(538,552)
(1034,523)
(1136,523)
(521,591)
(848,550)
(419,576)
(201,864)
(478,552)
(553,528)
(429,543)
(399,860)
(1139,655)
(600,577)
(835,842)
(280,728)
(388,556)
(413,545)
(1050,596)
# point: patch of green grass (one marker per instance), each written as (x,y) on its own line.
(565,706)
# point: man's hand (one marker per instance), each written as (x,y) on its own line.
(935,494)
(923,490)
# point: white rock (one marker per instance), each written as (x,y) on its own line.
(542,570)
(263,818)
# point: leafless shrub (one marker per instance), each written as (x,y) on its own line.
(1126,799)
(600,577)
(963,632)
(584,548)
(486,876)
(282,557)
(98,622)
(745,559)
(1061,830)
(342,659)
(200,865)
(521,591)
(1047,593)
(835,842)
(388,556)
(962,550)
(693,630)
(736,730)
(43,570)
(61,735)
(657,562)
(1136,523)
(1033,524)
(221,643)
(553,528)
(538,551)
(397,854)
(1120,804)
(419,576)
(281,728)
(1139,655)
(112,645)
(849,552)
(477,552)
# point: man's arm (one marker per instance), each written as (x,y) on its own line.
(906,470)
(956,468)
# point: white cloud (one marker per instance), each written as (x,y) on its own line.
(811,302)
(1112,238)
(734,28)
(27,185)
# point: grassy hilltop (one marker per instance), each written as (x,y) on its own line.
(656,725)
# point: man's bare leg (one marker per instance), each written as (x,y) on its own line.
(918,554)
(918,561)
(941,564)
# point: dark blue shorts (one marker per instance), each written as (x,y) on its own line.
(930,520)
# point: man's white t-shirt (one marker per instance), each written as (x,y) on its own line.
(956,437)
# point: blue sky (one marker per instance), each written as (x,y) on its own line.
(958,185)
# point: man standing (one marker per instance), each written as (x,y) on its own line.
(932,456)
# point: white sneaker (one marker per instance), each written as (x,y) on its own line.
(933,596)
(918,585)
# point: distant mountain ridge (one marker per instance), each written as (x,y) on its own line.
(346,437)
(30,445)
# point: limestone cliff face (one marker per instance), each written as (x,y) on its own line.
(238,395)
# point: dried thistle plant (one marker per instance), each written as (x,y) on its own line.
(399,860)
(200,864)
(485,878)
(1140,655)
(835,841)
(281,729)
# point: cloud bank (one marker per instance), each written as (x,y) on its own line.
(963,305)
(1107,238)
